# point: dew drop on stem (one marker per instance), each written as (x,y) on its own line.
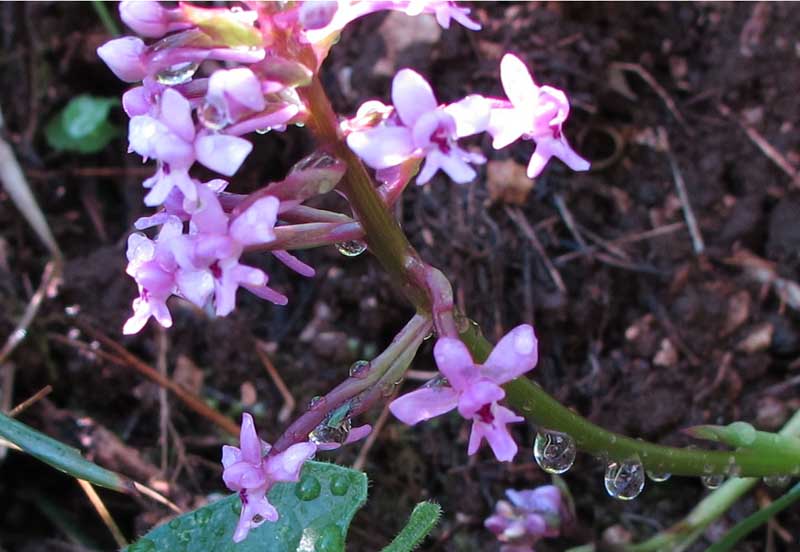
(713,481)
(554,452)
(624,480)
(352,248)
(658,477)
(326,432)
(777,481)
(359,369)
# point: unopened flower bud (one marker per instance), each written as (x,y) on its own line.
(124,57)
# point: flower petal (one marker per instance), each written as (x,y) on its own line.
(412,96)
(124,57)
(477,395)
(470,114)
(506,125)
(516,353)
(517,82)
(286,465)
(222,153)
(256,223)
(455,362)
(383,146)
(176,113)
(249,442)
(423,404)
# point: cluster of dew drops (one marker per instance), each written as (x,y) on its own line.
(555,452)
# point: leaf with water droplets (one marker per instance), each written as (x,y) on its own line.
(314,516)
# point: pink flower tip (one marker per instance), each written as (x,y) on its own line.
(124,57)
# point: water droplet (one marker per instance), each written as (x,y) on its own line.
(316,401)
(308,488)
(328,433)
(625,480)
(174,523)
(142,545)
(219,531)
(299,125)
(712,481)
(658,477)
(330,540)
(777,481)
(352,248)
(236,506)
(554,452)
(212,116)
(202,516)
(359,368)
(430,335)
(184,536)
(177,74)
(339,485)
(388,388)
(263,131)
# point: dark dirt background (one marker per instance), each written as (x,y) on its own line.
(644,336)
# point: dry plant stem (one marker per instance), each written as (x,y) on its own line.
(358,388)
(103,512)
(388,243)
(123,358)
(288,399)
(30,401)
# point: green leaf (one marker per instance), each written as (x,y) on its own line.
(82,126)
(314,516)
(59,455)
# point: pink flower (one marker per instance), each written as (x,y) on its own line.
(530,516)
(152,264)
(475,389)
(251,473)
(422,128)
(124,56)
(534,113)
(149,18)
(444,11)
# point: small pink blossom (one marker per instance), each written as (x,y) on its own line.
(533,113)
(422,128)
(528,517)
(475,389)
(252,473)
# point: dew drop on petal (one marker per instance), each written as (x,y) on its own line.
(177,74)
(359,369)
(713,481)
(211,116)
(327,433)
(658,477)
(624,480)
(316,401)
(554,452)
(352,248)
(777,481)
(263,130)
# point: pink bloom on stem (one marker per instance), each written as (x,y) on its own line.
(124,56)
(152,265)
(534,113)
(444,11)
(530,515)
(251,473)
(422,128)
(149,18)
(475,389)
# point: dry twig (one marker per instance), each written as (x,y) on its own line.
(657,88)
(30,401)
(103,512)
(519,218)
(288,399)
(373,436)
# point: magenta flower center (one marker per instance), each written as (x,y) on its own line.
(485,413)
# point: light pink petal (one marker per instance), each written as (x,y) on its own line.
(541,155)
(429,168)
(518,82)
(124,57)
(383,146)
(249,442)
(455,362)
(176,113)
(146,17)
(412,96)
(255,225)
(461,15)
(286,465)
(239,84)
(136,101)
(423,404)
(222,153)
(141,314)
(516,353)
(563,151)
(507,125)
(358,433)
(266,292)
(470,114)
(294,263)
(477,395)
(230,455)
(456,168)
(496,433)
(195,285)
(208,216)
(243,475)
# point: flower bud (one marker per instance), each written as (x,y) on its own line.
(124,57)
(146,17)
(316,14)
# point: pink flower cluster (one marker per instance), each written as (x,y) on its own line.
(527,517)
(420,127)
(251,473)
(474,389)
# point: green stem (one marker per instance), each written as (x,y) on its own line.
(105,18)
(391,247)
(423,519)
(681,535)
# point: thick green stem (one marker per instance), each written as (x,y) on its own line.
(388,243)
